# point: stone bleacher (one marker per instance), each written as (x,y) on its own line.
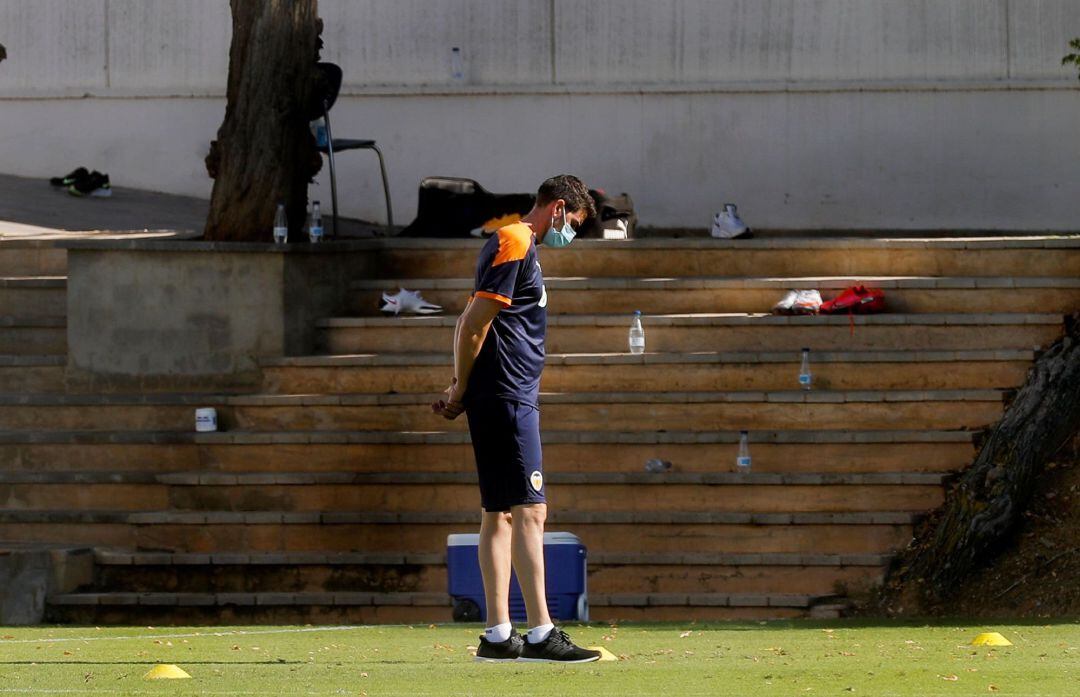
(328,495)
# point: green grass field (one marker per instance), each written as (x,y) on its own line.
(739,658)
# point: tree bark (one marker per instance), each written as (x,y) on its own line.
(264,153)
(984,506)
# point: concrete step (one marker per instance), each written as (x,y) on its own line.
(350,531)
(690,607)
(239,572)
(391,608)
(718,332)
(1036,255)
(920,294)
(436,492)
(248,608)
(32,374)
(33,336)
(32,258)
(33,296)
(705,411)
(564,451)
(659,372)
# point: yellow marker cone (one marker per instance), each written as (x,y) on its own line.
(990,639)
(166,672)
(605,655)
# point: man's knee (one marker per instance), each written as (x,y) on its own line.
(531,514)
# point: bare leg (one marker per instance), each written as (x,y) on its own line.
(495,536)
(528,555)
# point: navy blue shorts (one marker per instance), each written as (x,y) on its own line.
(506,441)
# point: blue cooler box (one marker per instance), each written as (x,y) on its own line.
(564,578)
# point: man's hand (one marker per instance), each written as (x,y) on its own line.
(452,406)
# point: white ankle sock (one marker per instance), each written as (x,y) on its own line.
(538,634)
(498,633)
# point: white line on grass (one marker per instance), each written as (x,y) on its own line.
(52,691)
(299,630)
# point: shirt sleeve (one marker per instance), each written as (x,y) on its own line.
(498,280)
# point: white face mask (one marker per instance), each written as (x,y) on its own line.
(559,237)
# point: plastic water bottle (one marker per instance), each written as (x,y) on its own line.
(804,371)
(457,66)
(742,462)
(281,225)
(318,130)
(315,231)
(637,334)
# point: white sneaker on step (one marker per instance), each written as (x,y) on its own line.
(408,301)
(727,225)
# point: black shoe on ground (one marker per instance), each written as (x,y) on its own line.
(557,648)
(499,651)
(97,184)
(70,178)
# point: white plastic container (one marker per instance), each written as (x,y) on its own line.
(206,420)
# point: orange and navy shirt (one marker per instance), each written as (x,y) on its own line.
(512,357)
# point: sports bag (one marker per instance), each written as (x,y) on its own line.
(615,217)
(855,300)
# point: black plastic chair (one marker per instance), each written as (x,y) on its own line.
(327,85)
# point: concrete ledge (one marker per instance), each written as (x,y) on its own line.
(725,283)
(251,599)
(29,572)
(361,400)
(426,478)
(728,319)
(465,517)
(462,438)
(1021,241)
(697,358)
(124,558)
(177,311)
(700,600)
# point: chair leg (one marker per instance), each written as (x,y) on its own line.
(333,171)
(386,191)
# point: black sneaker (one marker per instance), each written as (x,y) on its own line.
(499,651)
(557,648)
(97,184)
(70,178)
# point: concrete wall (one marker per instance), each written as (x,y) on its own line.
(809,113)
(147,313)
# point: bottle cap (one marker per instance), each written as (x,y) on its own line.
(744,433)
(637,312)
(805,349)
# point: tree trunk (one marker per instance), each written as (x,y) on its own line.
(988,499)
(264,153)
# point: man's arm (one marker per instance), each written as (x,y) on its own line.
(469,334)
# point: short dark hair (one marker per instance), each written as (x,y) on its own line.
(570,189)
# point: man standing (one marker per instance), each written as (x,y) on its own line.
(498,358)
